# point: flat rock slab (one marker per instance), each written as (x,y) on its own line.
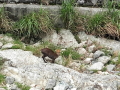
(30,70)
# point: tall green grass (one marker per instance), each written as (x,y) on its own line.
(104,23)
(67,13)
(73,53)
(34,25)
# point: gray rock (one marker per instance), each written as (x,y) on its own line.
(110,67)
(7,39)
(115,59)
(96,66)
(90,55)
(98,54)
(91,48)
(81,51)
(8,45)
(61,86)
(2,88)
(80,2)
(30,70)
(50,84)
(14,87)
(9,80)
(88,60)
(59,60)
(1,44)
(104,59)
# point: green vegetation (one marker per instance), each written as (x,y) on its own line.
(22,87)
(104,69)
(6,24)
(67,13)
(34,25)
(77,38)
(74,54)
(95,71)
(2,78)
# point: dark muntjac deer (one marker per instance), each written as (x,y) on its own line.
(51,54)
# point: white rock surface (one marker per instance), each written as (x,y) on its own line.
(8,45)
(1,44)
(104,59)
(110,67)
(91,48)
(96,66)
(88,60)
(81,51)
(30,70)
(98,54)
(64,39)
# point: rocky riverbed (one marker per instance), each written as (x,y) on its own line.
(24,67)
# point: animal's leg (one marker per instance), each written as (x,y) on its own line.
(53,61)
(44,58)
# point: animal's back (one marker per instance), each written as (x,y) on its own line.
(48,52)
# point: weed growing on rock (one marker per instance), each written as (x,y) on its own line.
(18,45)
(22,87)
(2,78)
(104,69)
(74,54)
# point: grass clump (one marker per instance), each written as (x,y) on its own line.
(67,13)
(104,69)
(34,25)
(95,23)
(73,53)
(22,87)
(6,25)
(34,50)
(18,45)
(2,78)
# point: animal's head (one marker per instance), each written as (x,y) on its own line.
(58,51)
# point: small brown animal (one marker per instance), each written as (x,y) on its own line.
(51,54)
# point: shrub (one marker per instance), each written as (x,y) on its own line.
(73,53)
(95,23)
(34,25)
(67,13)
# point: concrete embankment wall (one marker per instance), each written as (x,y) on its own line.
(18,10)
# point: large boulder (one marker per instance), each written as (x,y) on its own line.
(28,69)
